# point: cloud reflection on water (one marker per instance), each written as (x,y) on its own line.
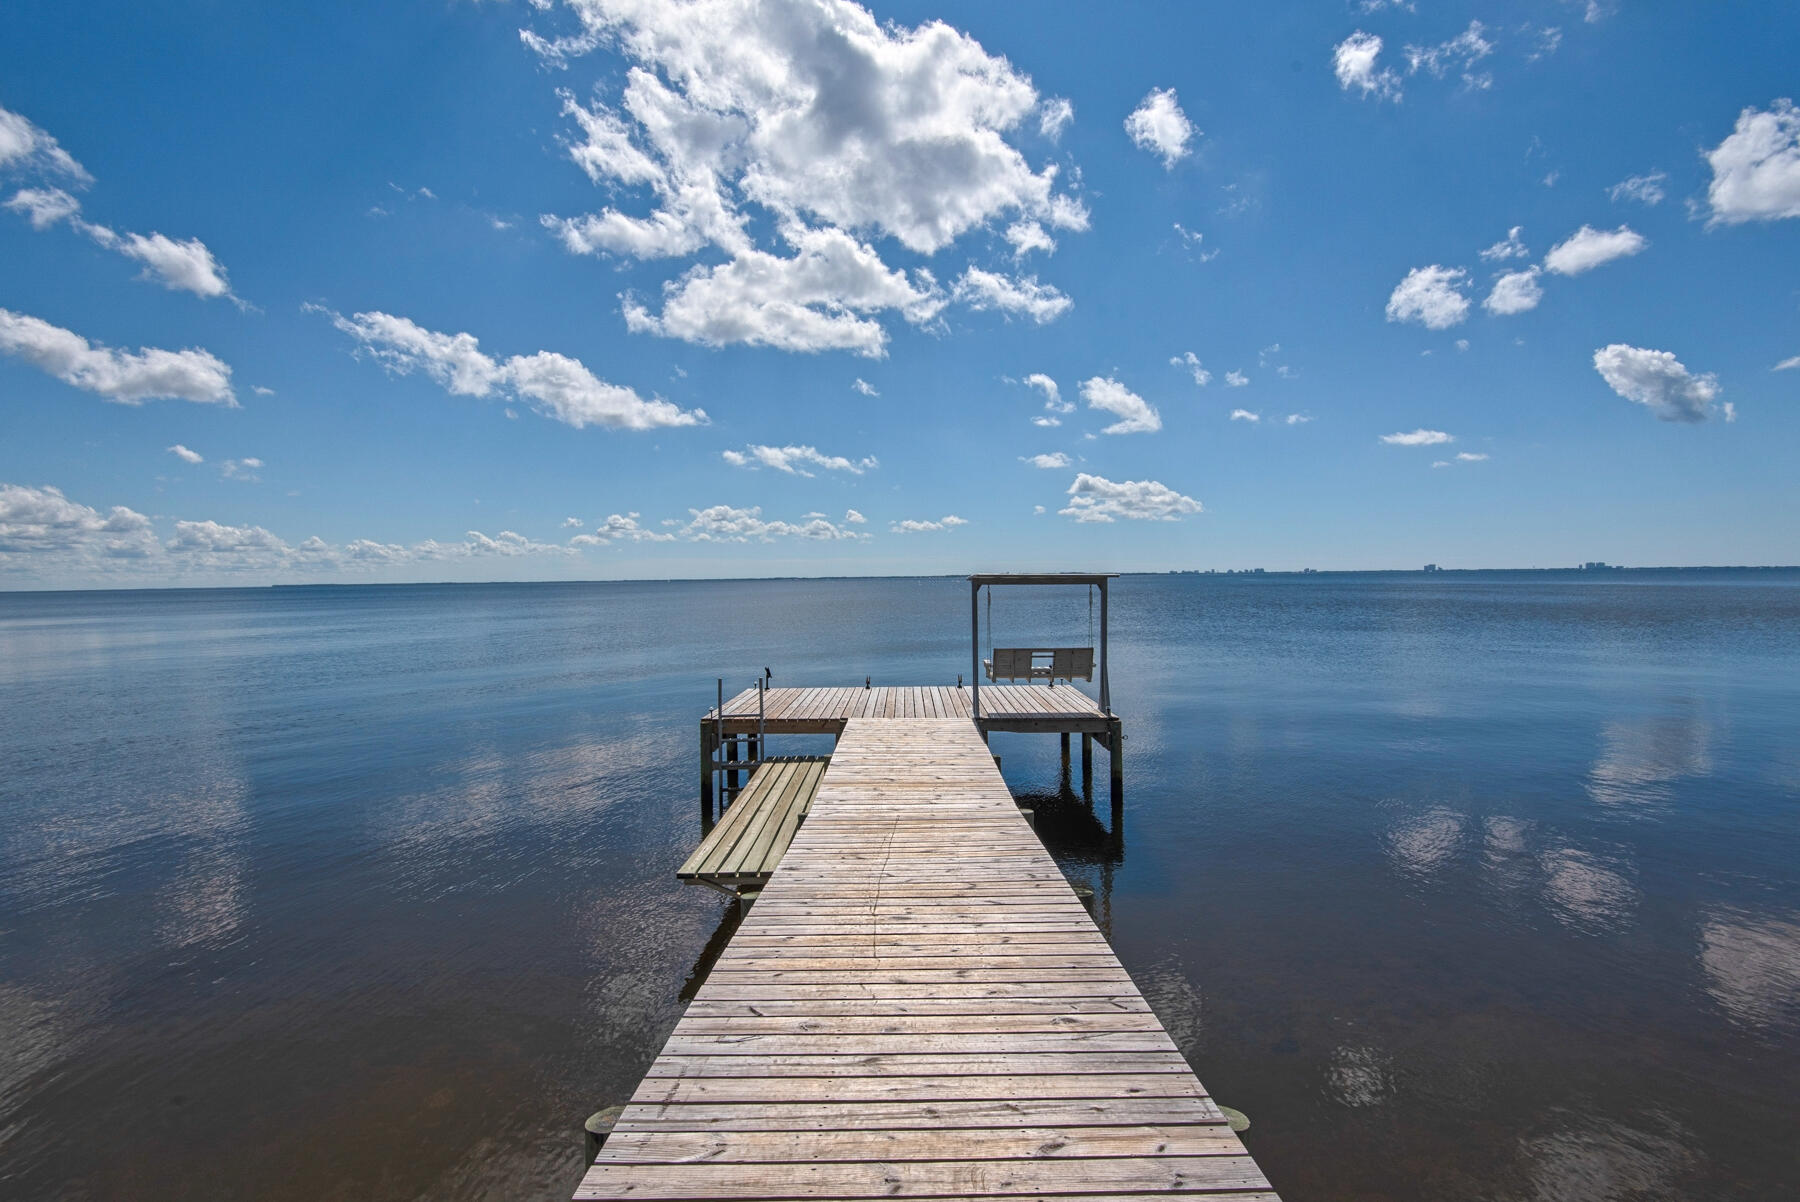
(1641,760)
(1752,966)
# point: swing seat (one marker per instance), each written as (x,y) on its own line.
(1040,663)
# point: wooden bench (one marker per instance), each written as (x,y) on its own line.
(746,844)
(1040,663)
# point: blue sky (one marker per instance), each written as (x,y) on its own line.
(600,289)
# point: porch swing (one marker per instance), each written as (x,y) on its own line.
(1040,663)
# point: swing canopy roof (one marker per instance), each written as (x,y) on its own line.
(981,578)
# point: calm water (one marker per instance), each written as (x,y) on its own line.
(1462,887)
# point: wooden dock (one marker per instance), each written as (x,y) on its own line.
(919,1007)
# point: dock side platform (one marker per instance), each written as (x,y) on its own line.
(919,1007)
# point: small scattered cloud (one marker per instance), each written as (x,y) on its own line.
(1236,379)
(1054,459)
(1191,361)
(1460,54)
(1159,126)
(1192,240)
(794,460)
(1658,381)
(863,386)
(1511,247)
(1027,236)
(1756,169)
(917,526)
(1297,419)
(1136,415)
(1588,248)
(572,523)
(1023,295)
(1097,499)
(1053,399)
(24,148)
(245,469)
(1418,438)
(1244,415)
(852,517)
(1787,364)
(1514,292)
(1431,296)
(1645,189)
(125,377)
(1471,456)
(617,528)
(1054,115)
(1048,423)
(1355,62)
(43,207)
(557,386)
(727,524)
(186,456)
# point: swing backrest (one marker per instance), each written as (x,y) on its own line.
(1072,663)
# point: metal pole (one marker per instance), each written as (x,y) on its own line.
(975,645)
(1105,681)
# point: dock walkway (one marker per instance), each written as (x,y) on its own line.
(919,1007)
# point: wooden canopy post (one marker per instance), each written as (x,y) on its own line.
(1105,681)
(975,645)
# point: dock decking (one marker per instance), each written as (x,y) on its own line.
(750,840)
(919,1007)
(1004,707)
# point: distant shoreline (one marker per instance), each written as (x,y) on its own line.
(1596,573)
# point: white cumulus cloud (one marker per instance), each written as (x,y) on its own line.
(1431,296)
(1756,169)
(1511,247)
(919,526)
(186,456)
(1658,381)
(1514,292)
(1159,126)
(1097,499)
(25,147)
(1054,459)
(794,460)
(128,377)
(1136,415)
(1236,379)
(809,121)
(555,385)
(1244,415)
(1588,248)
(863,386)
(618,528)
(1355,61)
(1191,362)
(1645,189)
(1418,438)
(1053,399)
(989,290)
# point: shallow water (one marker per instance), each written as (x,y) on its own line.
(1472,886)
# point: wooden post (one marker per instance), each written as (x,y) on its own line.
(706,775)
(975,646)
(1065,754)
(1105,680)
(1087,765)
(1115,743)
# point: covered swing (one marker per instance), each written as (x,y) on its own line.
(1040,663)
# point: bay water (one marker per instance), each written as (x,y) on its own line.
(1460,885)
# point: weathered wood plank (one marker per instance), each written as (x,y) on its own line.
(917,1006)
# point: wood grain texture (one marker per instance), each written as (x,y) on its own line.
(917,1006)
